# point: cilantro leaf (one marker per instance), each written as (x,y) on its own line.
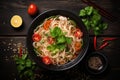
(56,32)
(61,39)
(68,40)
(92,20)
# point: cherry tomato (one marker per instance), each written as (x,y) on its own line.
(47,24)
(32,9)
(46,60)
(36,37)
(78,33)
(50,40)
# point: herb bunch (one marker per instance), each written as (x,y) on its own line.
(25,67)
(93,20)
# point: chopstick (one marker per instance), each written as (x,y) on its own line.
(102,11)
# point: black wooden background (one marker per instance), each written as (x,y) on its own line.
(10,38)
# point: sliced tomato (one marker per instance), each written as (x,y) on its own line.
(50,40)
(46,60)
(47,24)
(36,37)
(78,33)
(78,46)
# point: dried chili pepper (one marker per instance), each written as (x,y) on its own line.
(108,39)
(95,42)
(103,45)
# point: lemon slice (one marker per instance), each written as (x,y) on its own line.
(16,21)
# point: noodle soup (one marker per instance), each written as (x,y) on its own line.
(57,40)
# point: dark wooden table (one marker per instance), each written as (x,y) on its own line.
(10,38)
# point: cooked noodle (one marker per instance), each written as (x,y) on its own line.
(68,28)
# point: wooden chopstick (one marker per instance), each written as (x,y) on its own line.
(102,11)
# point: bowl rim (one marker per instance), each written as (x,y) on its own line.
(68,14)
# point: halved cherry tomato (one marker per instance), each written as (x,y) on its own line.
(46,60)
(36,37)
(50,40)
(32,9)
(78,46)
(47,24)
(78,33)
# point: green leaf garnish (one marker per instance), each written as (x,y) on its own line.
(92,20)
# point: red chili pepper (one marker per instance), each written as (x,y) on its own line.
(109,39)
(95,42)
(103,45)
(20,52)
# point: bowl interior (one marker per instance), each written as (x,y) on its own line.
(40,18)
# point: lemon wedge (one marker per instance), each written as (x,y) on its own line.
(16,21)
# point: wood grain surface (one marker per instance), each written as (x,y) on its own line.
(9,37)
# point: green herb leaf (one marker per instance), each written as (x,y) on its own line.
(51,47)
(28,63)
(89,10)
(56,32)
(82,13)
(61,39)
(24,56)
(20,68)
(55,51)
(92,20)
(25,67)
(61,47)
(68,40)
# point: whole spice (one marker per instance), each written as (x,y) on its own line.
(103,45)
